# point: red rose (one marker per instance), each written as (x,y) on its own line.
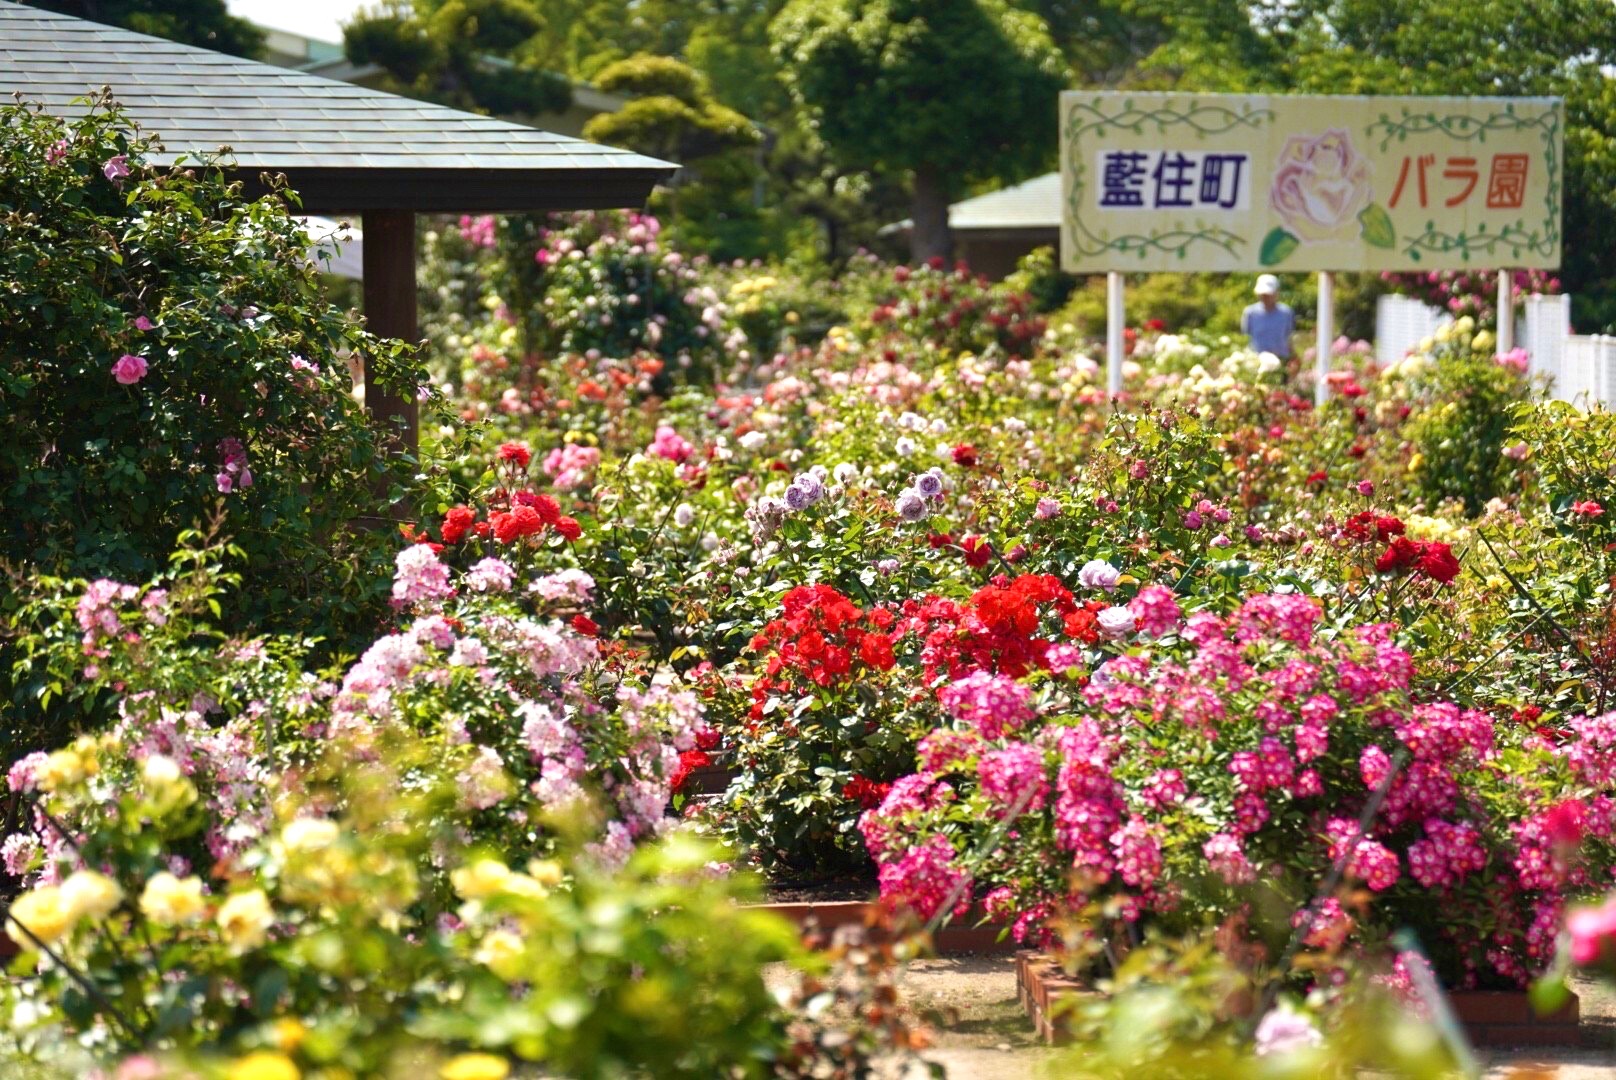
(1316,478)
(568,527)
(515,453)
(965,455)
(1401,552)
(977,551)
(585,625)
(864,791)
(876,651)
(521,521)
(688,761)
(547,508)
(1436,561)
(457,522)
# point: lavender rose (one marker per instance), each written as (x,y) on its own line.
(1099,574)
(1116,622)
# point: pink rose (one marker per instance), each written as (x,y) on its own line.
(1591,930)
(129,369)
(1320,184)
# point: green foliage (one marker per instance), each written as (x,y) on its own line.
(378,956)
(1459,436)
(1188,1008)
(963,87)
(950,90)
(206,24)
(244,416)
(481,55)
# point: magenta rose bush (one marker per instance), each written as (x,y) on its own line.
(1215,762)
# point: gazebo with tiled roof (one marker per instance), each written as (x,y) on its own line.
(344,149)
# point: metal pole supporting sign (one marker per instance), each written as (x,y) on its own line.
(1506,311)
(1326,338)
(1113,333)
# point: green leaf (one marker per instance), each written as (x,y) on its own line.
(1277,247)
(1377,226)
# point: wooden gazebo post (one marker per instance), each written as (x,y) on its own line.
(390,311)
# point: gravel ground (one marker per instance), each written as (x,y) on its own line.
(982,1033)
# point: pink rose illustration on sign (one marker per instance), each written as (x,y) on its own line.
(1321,189)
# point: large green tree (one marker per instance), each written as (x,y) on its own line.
(207,24)
(948,91)
(488,56)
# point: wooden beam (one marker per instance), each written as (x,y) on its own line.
(389,267)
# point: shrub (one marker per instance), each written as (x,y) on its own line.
(170,361)
(1465,397)
(1218,762)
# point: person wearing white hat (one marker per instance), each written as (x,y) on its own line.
(1268,323)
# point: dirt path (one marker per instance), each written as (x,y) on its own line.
(983,1034)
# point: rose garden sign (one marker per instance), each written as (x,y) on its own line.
(1233,182)
(1225,182)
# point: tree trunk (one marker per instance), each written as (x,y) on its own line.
(929,237)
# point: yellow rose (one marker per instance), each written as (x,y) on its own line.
(166,784)
(170,901)
(89,895)
(61,769)
(44,912)
(245,919)
(546,872)
(289,1033)
(480,880)
(309,834)
(264,1065)
(1482,342)
(475,1067)
(524,886)
(503,953)
(160,771)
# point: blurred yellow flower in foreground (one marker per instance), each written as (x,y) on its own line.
(502,952)
(89,895)
(245,919)
(44,912)
(170,901)
(289,1033)
(264,1065)
(475,1067)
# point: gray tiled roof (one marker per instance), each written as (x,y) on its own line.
(1032,205)
(342,146)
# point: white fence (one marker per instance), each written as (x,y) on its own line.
(1401,322)
(1579,368)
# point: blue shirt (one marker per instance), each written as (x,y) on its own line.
(1270,331)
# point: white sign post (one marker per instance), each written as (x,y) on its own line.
(1115,319)
(1506,311)
(1325,340)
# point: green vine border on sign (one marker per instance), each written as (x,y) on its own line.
(1516,237)
(1086,117)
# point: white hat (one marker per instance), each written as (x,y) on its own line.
(1267,285)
